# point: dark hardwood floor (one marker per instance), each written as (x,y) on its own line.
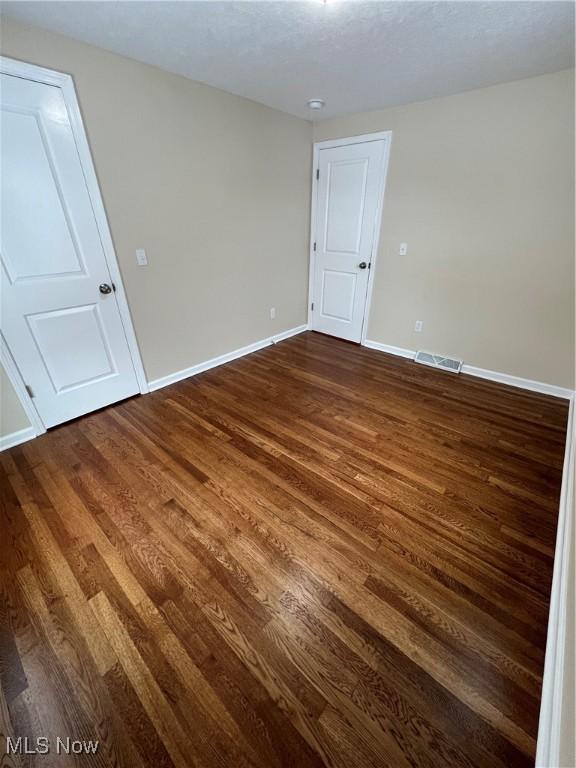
(315,555)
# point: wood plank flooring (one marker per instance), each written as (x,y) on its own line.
(315,555)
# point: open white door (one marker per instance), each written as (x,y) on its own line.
(349,191)
(60,317)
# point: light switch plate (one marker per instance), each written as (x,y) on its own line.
(141,257)
(403,249)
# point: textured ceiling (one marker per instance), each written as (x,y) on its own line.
(356,55)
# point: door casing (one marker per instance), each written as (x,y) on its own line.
(385,136)
(66,84)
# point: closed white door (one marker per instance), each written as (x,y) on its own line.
(348,196)
(59,317)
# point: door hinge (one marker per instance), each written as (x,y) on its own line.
(317,173)
(29,390)
(312,307)
(314,246)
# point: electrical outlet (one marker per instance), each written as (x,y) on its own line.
(418,325)
(272,313)
(141,259)
(403,249)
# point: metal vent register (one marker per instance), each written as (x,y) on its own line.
(438,361)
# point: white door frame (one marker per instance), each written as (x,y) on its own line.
(385,136)
(66,84)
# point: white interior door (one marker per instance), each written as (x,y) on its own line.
(348,198)
(60,322)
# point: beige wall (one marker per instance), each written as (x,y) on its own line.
(213,186)
(481,187)
(12,416)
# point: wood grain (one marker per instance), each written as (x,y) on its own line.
(315,555)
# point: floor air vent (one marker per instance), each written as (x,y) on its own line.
(437,361)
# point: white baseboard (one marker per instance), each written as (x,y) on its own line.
(398,351)
(287,334)
(15,438)
(483,373)
(172,378)
(555,724)
(517,381)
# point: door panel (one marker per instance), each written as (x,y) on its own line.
(338,292)
(345,205)
(26,155)
(66,337)
(78,328)
(349,189)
